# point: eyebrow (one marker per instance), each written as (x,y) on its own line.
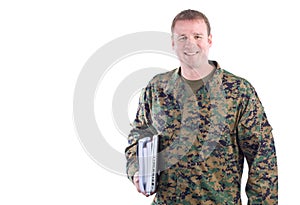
(201,34)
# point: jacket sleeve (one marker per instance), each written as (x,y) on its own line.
(139,129)
(257,144)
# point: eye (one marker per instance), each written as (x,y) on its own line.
(182,38)
(198,37)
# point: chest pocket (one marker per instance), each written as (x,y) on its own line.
(166,114)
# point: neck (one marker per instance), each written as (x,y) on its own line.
(196,73)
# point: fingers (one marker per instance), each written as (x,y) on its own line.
(136,183)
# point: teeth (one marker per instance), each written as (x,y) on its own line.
(190,53)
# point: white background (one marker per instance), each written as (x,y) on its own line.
(43,47)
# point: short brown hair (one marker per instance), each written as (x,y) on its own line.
(191,15)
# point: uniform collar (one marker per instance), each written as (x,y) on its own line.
(176,79)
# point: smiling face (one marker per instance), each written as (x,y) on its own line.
(191,43)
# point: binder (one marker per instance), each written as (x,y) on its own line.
(148,163)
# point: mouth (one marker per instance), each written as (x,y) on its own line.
(191,53)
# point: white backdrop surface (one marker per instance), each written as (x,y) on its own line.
(44,46)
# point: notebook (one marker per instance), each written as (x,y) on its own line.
(148,163)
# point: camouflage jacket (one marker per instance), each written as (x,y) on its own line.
(205,137)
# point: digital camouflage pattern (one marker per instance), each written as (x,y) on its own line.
(205,137)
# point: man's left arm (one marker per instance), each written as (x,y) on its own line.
(257,143)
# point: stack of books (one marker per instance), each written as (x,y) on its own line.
(148,163)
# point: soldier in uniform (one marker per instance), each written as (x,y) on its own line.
(210,121)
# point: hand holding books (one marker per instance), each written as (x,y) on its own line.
(148,164)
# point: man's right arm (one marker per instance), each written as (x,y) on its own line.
(139,129)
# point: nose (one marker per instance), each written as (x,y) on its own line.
(191,43)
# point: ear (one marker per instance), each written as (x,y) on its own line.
(172,39)
(210,40)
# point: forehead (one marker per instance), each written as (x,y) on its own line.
(190,27)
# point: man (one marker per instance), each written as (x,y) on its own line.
(209,121)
